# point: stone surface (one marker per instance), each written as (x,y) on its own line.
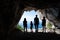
(12,10)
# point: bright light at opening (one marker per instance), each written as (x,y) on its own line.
(30,15)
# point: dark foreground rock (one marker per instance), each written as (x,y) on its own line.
(18,35)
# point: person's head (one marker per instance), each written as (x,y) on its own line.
(24,18)
(36,15)
(31,21)
(43,17)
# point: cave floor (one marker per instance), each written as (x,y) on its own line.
(18,35)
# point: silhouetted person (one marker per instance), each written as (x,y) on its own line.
(44,24)
(25,24)
(31,26)
(36,23)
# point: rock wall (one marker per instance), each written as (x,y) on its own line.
(12,10)
(10,14)
(53,14)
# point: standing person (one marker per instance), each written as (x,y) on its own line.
(36,23)
(31,26)
(44,24)
(25,24)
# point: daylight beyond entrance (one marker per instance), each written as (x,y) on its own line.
(29,16)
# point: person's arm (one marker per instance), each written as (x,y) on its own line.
(45,22)
(38,20)
(26,23)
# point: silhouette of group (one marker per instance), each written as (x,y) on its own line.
(36,23)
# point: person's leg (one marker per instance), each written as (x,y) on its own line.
(43,28)
(24,29)
(37,28)
(31,29)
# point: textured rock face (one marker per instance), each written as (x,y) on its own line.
(9,16)
(53,14)
(11,12)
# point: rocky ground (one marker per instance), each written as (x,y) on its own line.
(18,35)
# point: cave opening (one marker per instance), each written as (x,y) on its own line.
(29,15)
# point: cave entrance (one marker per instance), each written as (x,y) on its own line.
(30,15)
